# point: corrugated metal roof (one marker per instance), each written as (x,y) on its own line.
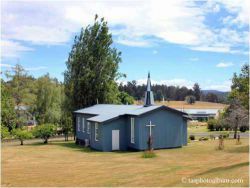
(106,112)
(200,111)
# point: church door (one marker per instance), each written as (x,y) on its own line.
(115,140)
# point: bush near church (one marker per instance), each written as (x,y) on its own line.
(21,134)
(44,132)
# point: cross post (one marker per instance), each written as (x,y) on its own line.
(150,128)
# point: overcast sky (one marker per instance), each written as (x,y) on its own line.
(180,42)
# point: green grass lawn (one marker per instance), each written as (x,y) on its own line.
(65,164)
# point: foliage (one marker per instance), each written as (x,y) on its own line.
(225,135)
(66,125)
(44,131)
(4,132)
(244,128)
(211,97)
(22,88)
(49,100)
(197,91)
(203,139)
(8,115)
(21,134)
(190,99)
(92,68)
(125,98)
(148,154)
(160,91)
(192,137)
(240,87)
(236,116)
(211,124)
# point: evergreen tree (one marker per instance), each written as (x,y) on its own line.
(197,91)
(240,87)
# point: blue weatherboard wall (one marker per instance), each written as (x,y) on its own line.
(167,133)
(170,131)
(117,124)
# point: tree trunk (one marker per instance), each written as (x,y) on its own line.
(236,128)
(235,131)
(46,141)
(21,142)
(66,136)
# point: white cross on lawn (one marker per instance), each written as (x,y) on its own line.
(150,127)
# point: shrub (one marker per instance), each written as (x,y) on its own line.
(190,99)
(21,134)
(211,124)
(225,135)
(4,132)
(148,154)
(203,139)
(44,131)
(218,127)
(192,137)
(244,128)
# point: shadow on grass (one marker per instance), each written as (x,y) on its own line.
(73,146)
(219,169)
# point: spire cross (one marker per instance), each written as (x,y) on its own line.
(150,127)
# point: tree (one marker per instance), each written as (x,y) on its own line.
(8,115)
(236,116)
(211,124)
(49,100)
(44,131)
(125,98)
(211,97)
(21,134)
(240,87)
(4,132)
(92,68)
(66,126)
(197,91)
(22,88)
(190,99)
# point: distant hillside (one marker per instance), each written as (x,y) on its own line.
(222,95)
(215,92)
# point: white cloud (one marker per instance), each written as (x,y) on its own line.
(133,23)
(224,86)
(224,64)
(6,65)
(9,66)
(12,49)
(35,68)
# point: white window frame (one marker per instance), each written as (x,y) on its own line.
(83,124)
(88,127)
(132,130)
(78,124)
(96,131)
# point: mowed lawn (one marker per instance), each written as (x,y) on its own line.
(65,164)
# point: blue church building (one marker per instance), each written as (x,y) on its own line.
(110,127)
